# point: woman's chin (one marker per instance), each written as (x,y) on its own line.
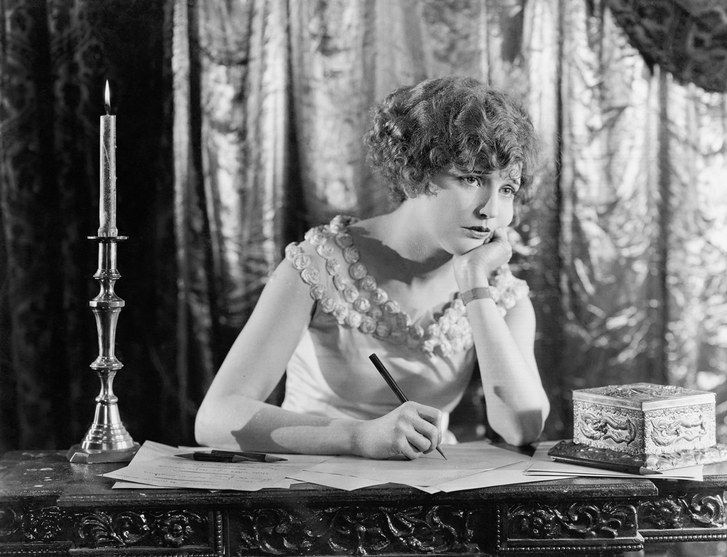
(466,245)
(459,245)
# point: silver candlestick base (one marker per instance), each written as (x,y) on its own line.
(107,439)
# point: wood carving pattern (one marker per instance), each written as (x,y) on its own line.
(128,528)
(578,520)
(361,530)
(44,524)
(177,528)
(11,522)
(683,511)
(104,529)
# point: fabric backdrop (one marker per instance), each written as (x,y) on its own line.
(239,126)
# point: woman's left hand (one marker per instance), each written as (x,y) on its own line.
(471,269)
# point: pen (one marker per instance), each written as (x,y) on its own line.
(231,456)
(381,368)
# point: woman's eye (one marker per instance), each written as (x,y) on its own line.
(471,180)
(508,191)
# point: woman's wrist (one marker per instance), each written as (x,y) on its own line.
(477,293)
(470,275)
(472,278)
(352,436)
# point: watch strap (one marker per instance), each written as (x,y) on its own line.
(476,294)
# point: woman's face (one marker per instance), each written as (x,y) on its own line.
(469,206)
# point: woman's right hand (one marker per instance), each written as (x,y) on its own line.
(410,430)
(471,269)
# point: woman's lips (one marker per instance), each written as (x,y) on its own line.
(477,232)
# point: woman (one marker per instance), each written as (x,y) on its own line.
(425,287)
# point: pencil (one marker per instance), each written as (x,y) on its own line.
(381,368)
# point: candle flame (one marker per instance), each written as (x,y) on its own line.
(107,97)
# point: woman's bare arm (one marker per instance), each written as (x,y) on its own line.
(233,414)
(517,405)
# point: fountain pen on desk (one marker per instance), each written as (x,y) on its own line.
(231,456)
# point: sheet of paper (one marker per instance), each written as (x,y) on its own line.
(511,474)
(347,483)
(148,451)
(134,485)
(158,466)
(430,470)
(507,475)
(469,466)
(151,450)
(543,464)
(427,489)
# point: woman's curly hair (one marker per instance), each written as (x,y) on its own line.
(422,129)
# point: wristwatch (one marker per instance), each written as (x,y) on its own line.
(476,294)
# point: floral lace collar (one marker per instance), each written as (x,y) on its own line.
(362,304)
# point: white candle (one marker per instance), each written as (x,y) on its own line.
(107,152)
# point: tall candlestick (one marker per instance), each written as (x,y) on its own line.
(107,152)
(107,439)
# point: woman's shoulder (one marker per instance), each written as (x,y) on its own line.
(324,238)
(341,239)
(329,262)
(339,224)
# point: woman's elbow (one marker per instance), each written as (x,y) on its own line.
(524,429)
(518,438)
(204,425)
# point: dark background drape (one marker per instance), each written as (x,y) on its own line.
(239,126)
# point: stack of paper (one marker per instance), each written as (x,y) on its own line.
(543,465)
(156,465)
(468,466)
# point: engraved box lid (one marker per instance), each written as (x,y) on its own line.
(643,396)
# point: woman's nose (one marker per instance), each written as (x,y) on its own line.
(488,210)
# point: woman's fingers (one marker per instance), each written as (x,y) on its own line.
(502,247)
(409,430)
(474,266)
(420,425)
(428,413)
(432,426)
(429,432)
(405,448)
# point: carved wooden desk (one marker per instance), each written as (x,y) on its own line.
(51,507)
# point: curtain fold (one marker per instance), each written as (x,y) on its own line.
(55,59)
(332,53)
(687,38)
(240,125)
(695,238)
(609,179)
(27,105)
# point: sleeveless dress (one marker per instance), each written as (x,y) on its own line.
(330,374)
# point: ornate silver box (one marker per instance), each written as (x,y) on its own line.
(643,419)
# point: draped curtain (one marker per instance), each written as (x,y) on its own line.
(55,58)
(240,126)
